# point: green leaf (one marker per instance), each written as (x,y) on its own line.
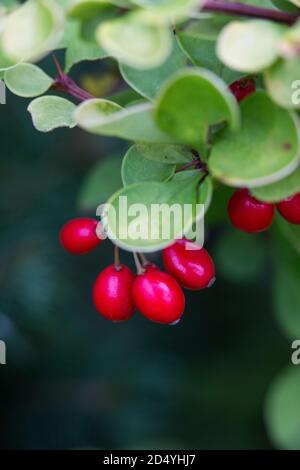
(205,189)
(280,190)
(287,5)
(286,300)
(27,80)
(290,42)
(282,411)
(136,168)
(142,230)
(82,9)
(104,117)
(264,151)
(279,80)
(165,153)
(239,257)
(51,112)
(137,39)
(102,180)
(169,8)
(148,83)
(193,100)
(31,30)
(249,46)
(79,50)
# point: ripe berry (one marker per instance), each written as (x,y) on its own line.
(190,265)
(289,208)
(158,296)
(242,88)
(79,235)
(113,293)
(248,214)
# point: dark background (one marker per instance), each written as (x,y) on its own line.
(75,380)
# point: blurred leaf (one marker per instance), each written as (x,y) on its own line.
(249,46)
(279,81)
(282,410)
(148,83)
(239,257)
(32,30)
(78,50)
(100,183)
(51,112)
(169,8)
(137,39)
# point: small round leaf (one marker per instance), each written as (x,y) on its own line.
(249,46)
(265,150)
(193,100)
(27,80)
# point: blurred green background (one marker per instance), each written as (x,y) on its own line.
(75,380)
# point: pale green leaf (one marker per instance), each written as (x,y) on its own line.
(265,150)
(280,190)
(280,80)
(193,100)
(51,112)
(32,30)
(169,8)
(249,46)
(137,39)
(135,123)
(136,168)
(27,80)
(142,230)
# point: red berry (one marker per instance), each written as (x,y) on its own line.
(248,214)
(158,296)
(189,264)
(79,235)
(113,293)
(289,208)
(242,88)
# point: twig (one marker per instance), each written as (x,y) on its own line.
(251,11)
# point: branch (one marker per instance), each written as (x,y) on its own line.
(251,11)
(67,85)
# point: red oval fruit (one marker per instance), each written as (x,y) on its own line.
(78,236)
(249,214)
(242,88)
(158,296)
(289,208)
(113,293)
(189,264)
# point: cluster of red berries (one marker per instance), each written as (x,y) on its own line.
(251,215)
(156,294)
